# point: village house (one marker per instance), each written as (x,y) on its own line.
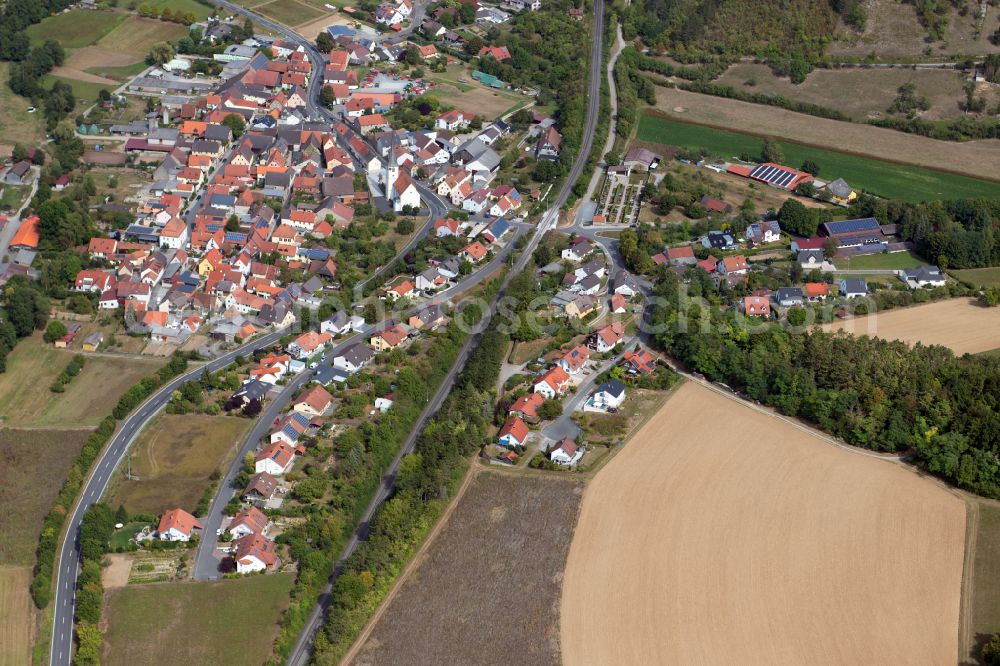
(313,402)
(276,458)
(607,338)
(253,553)
(177,525)
(566,452)
(553,383)
(248,521)
(513,433)
(527,407)
(607,397)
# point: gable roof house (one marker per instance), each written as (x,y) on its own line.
(787,297)
(527,407)
(177,525)
(756,306)
(260,487)
(566,452)
(354,357)
(924,276)
(313,402)
(609,395)
(513,433)
(253,553)
(852,287)
(607,338)
(248,521)
(276,458)
(553,383)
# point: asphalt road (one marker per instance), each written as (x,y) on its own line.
(68,565)
(302,650)
(102,471)
(206,564)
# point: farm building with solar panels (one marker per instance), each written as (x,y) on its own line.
(853,233)
(775,175)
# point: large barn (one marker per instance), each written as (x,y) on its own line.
(852,233)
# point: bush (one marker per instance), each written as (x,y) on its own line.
(55,330)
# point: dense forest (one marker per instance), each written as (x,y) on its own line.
(875,394)
(781,30)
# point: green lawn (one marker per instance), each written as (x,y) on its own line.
(983,277)
(200,11)
(881,261)
(75,29)
(986,573)
(119,73)
(229,622)
(82,90)
(16,124)
(886,179)
(290,12)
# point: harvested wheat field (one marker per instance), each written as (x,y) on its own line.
(958,323)
(487,590)
(723,535)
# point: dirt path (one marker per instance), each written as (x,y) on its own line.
(720,535)
(412,565)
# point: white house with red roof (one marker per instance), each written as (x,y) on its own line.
(513,433)
(253,553)
(566,452)
(248,521)
(177,525)
(607,338)
(553,383)
(276,458)
(574,360)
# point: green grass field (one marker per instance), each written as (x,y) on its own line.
(82,90)
(75,29)
(120,73)
(881,261)
(290,12)
(174,458)
(225,623)
(983,277)
(200,11)
(16,124)
(25,399)
(885,179)
(985,616)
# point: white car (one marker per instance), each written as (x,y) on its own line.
(31,109)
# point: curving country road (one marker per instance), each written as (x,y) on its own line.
(68,562)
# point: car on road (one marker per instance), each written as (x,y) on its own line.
(314,365)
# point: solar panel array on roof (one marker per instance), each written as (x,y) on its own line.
(859,225)
(773,175)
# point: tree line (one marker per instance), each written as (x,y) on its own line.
(872,393)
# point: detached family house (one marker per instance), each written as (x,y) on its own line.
(513,433)
(553,383)
(177,525)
